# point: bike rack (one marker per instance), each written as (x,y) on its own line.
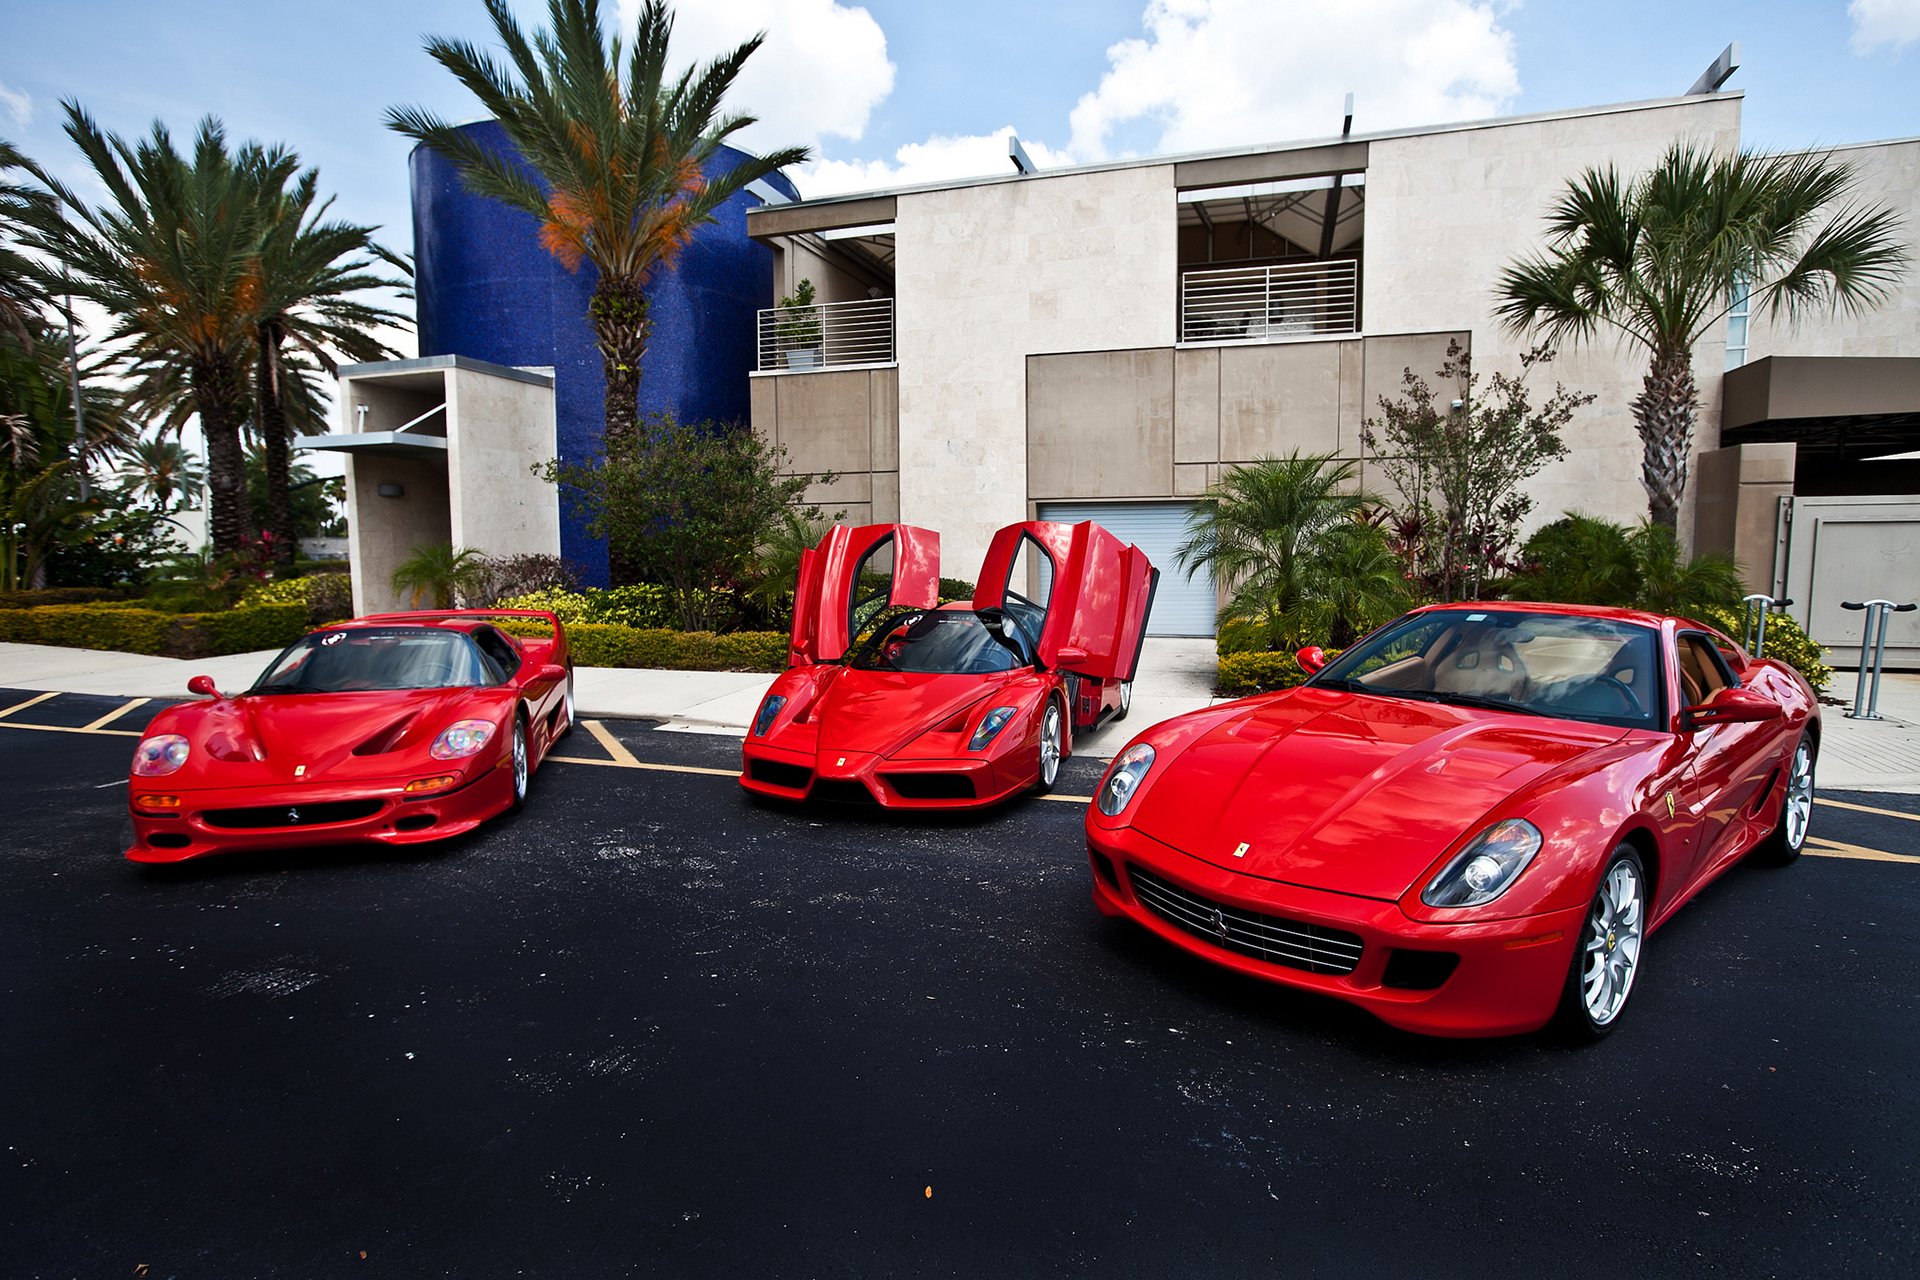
(1873,641)
(1753,620)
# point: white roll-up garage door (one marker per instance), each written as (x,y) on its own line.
(1181,606)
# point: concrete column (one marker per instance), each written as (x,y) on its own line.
(1737,492)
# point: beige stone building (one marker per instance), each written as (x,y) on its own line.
(1101,342)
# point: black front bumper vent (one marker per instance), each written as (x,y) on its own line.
(1274,939)
(280,816)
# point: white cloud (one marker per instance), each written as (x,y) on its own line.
(18,103)
(1215,73)
(935,160)
(1894,23)
(820,73)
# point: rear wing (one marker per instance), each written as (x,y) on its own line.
(551,641)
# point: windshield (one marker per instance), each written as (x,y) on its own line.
(377,658)
(1572,667)
(944,642)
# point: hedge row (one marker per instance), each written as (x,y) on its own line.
(32,599)
(169,635)
(596,644)
(1787,642)
(1245,673)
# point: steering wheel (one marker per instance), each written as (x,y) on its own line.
(1625,703)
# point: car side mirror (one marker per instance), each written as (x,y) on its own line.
(1733,706)
(1311,658)
(1070,656)
(552,671)
(203,685)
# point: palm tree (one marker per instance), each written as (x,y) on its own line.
(174,257)
(1265,533)
(619,155)
(1585,560)
(1657,261)
(441,573)
(310,271)
(21,296)
(163,470)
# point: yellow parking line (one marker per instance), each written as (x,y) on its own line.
(1821,847)
(1070,799)
(22,706)
(631,763)
(614,746)
(67,728)
(111,716)
(1862,808)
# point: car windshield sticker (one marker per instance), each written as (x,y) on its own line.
(335,638)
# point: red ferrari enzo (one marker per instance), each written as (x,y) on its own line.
(396,728)
(1469,822)
(891,698)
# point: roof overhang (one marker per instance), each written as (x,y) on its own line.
(398,444)
(1852,406)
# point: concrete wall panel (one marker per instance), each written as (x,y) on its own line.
(1278,398)
(1100,425)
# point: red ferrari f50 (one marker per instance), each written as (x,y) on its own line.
(892,698)
(396,728)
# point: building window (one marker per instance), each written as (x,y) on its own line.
(1737,319)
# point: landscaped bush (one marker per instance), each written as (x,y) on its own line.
(608,645)
(130,629)
(1787,641)
(1245,673)
(642,605)
(328,597)
(59,595)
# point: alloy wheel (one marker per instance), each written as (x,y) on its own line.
(1610,948)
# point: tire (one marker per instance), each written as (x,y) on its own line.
(1606,955)
(1052,728)
(520,764)
(1126,702)
(1783,844)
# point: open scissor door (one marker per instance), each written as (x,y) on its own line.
(1090,594)
(852,576)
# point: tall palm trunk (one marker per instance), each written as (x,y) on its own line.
(1664,412)
(621,328)
(218,400)
(269,389)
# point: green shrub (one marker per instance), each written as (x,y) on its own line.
(1787,641)
(59,595)
(595,644)
(1245,673)
(952,589)
(568,606)
(328,597)
(130,629)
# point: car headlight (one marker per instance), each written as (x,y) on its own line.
(763,719)
(160,755)
(1123,779)
(990,726)
(460,740)
(1484,869)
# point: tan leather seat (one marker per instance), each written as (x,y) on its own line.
(1485,663)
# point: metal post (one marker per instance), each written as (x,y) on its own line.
(1753,632)
(1873,644)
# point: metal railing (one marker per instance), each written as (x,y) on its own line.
(826,334)
(1295,299)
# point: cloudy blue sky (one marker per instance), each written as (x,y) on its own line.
(899,91)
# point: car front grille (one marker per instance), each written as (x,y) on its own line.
(841,791)
(1275,939)
(292,815)
(931,786)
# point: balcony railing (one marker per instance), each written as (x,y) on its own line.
(830,333)
(1302,299)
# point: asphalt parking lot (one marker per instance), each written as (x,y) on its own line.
(649,1028)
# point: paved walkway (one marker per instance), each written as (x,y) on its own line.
(1175,676)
